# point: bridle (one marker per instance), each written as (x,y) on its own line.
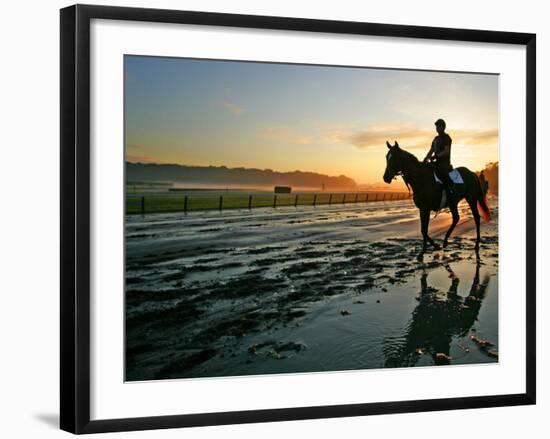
(401,173)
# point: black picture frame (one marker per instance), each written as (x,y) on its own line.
(75,217)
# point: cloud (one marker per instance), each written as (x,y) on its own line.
(139,159)
(135,153)
(233,108)
(473,137)
(283,134)
(134,147)
(409,136)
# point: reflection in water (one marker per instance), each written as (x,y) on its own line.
(437,318)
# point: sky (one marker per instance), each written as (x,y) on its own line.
(285,117)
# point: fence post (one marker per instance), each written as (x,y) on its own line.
(221,203)
(344,199)
(296,201)
(367,198)
(330,199)
(142,205)
(249,202)
(314,200)
(274,201)
(185,205)
(356,197)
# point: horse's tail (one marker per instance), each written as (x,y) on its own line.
(482,202)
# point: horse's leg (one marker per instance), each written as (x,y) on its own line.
(424,221)
(473,207)
(456,217)
(433,243)
(424,224)
(425,231)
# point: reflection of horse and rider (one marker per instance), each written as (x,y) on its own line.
(428,193)
(436,320)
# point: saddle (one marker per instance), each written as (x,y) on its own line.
(456,178)
(454,175)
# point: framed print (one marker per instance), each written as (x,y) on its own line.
(275,218)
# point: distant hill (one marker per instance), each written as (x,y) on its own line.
(233,176)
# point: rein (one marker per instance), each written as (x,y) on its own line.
(405,175)
(406,181)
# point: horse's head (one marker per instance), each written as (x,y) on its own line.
(393,162)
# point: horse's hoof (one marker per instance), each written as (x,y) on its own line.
(445,244)
(436,246)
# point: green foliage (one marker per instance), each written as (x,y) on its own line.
(491,175)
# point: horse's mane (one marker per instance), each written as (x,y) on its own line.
(409,156)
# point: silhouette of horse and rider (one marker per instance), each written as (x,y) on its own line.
(428,194)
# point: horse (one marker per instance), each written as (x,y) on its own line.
(427,193)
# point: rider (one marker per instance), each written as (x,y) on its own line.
(440,154)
